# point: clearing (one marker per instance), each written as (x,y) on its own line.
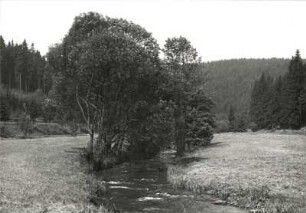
(265,172)
(43,175)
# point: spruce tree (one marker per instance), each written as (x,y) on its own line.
(231,118)
(302,100)
(291,107)
(276,108)
(258,104)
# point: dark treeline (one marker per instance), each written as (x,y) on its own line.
(280,102)
(24,81)
(23,68)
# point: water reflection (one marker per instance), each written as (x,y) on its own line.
(142,187)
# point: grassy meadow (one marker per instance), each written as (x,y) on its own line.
(263,172)
(44,175)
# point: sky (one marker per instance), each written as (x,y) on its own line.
(217,29)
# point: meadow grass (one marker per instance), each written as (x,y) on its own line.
(45,175)
(263,172)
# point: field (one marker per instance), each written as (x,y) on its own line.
(43,175)
(264,172)
(259,171)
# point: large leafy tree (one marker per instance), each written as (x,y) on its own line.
(109,68)
(184,76)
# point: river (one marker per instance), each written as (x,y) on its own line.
(142,186)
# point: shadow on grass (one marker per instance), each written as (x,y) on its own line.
(216,145)
(77,150)
(188,160)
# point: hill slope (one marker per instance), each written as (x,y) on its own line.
(231,81)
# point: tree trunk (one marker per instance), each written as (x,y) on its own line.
(99,151)
(90,142)
(180,132)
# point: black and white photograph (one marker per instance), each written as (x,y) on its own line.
(152,106)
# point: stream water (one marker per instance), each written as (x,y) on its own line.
(142,187)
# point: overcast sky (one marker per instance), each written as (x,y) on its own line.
(218,29)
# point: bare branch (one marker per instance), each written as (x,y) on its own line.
(81,108)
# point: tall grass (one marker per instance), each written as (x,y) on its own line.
(257,199)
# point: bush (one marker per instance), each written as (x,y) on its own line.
(26,124)
(4,109)
(253,126)
(221,126)
(4,132)
(199,132)
(240,125)
(49,109)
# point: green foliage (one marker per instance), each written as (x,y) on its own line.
(107,71)
(4,108)
(25,124)
(5,132)
(49,108)
(23,68)
(199,132)
(222,125)
(231,81)
(231,118)
(240,124)
(191,108)
(291,108)
(15,103)
(279,103)
(236,123)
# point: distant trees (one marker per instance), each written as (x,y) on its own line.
(231,118)
(24,78)
(280,102)
(231,81)
(236,123)
(23,68)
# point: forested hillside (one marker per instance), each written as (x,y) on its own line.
(281,102)
(231,81)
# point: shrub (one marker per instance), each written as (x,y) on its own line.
(4,108)
(49,109)
(240,124)
(253,126)
(199,132)
(25,124)
(222,126)
(4,132)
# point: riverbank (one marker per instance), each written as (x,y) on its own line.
(36,130)
(45,175)
(263,172)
